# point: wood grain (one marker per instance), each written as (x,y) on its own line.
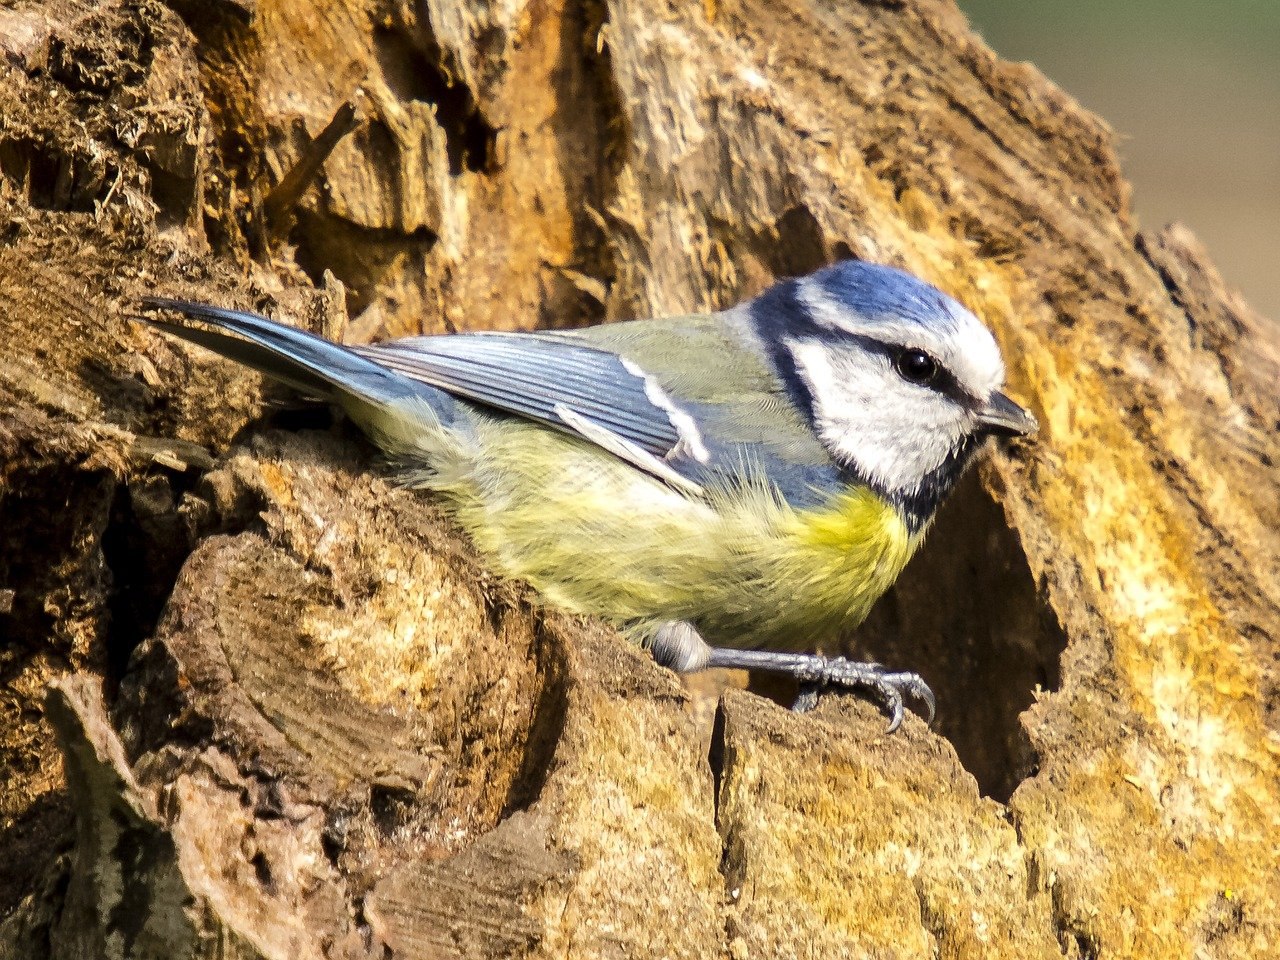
(292,715)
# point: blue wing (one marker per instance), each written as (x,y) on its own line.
(539,378)
(629,388)
(635,396)
(302,360)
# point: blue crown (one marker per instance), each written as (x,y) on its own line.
(876,292)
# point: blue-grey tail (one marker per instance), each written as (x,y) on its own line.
(313,365)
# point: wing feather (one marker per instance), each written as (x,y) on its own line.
(537,378)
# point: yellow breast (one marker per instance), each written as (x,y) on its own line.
(597,536)
(838,560)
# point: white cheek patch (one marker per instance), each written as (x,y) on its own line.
(893,433)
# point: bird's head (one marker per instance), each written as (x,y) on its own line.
(899,381)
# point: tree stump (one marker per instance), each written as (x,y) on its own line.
(256,701)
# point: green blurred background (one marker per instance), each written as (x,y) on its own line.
(1192,89)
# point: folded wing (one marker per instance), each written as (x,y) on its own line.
(541,378)
(726,421)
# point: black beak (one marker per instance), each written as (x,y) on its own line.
(1000,415)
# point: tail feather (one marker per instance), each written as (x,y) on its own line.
(311,364)
(250,355)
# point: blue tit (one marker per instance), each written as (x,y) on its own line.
(730,489)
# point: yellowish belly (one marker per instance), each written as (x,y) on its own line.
(595,536)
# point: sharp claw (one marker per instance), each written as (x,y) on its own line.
(925,694)
(913,684)
(895,705)
(889,687)
(807,698)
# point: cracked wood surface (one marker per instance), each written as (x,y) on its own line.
(297,717)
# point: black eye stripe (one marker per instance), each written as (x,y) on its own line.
(779,317)
(943,382)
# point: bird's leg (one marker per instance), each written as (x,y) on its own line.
(816,674)
(678,645)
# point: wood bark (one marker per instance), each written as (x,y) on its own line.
(255,701)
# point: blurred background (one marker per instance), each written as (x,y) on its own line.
(1192,89)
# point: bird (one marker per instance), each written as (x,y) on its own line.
(730,489)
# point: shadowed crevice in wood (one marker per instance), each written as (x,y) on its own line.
(359,256)
(53,513)
(546,727)
(790,246)
(416,69)
(592,150)
(796,246)
(968,615)
(144,545)
(52,519)
(126,895)
(353,736)
(53,178)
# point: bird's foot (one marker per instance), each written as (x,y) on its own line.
(818,675)
(889,687)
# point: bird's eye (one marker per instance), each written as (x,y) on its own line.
(916,366)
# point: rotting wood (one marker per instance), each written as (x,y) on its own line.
(337,735)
